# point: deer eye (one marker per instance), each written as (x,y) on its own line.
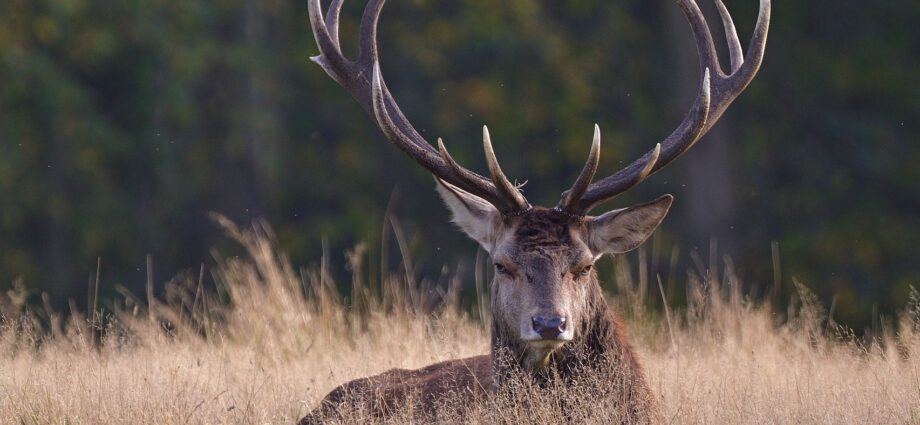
(585,271)
(502,269)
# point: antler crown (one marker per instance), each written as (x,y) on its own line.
(717,90)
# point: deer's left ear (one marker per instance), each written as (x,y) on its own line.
(623,230)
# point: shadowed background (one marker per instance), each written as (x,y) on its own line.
(122,124)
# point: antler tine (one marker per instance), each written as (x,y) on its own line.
(363,80)
(330,57)
(571,197)
(504,186)
(705,47)
(459,170)
(727,87)
(646,170)
(368,32)
(332,21)
(758,44)
(717,91)
(735,54)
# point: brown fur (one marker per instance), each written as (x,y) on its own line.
(545,244)
(418,390)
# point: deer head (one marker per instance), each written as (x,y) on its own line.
(544,279)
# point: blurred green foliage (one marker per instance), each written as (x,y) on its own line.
(122,124)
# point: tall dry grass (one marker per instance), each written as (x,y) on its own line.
(270,341)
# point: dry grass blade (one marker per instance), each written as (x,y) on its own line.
(262,349)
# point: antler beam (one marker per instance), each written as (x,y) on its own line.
(363,80)
(717,91)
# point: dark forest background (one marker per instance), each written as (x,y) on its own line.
(124,123)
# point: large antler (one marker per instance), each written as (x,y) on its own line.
(717,91)
(362,79)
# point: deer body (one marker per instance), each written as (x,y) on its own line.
(550,319)
(593,340)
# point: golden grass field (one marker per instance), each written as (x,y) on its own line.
(257,350)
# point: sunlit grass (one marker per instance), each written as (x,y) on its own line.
(270,341)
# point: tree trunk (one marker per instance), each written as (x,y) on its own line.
(706,173)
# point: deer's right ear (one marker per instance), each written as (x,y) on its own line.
(475,216)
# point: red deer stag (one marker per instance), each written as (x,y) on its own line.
(550,316)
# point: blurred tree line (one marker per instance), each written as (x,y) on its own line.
(122,124)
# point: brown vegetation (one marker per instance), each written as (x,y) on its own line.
(258,350)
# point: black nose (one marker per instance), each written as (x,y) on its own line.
(548,327)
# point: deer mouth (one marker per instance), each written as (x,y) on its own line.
(540,343)
(547,344)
